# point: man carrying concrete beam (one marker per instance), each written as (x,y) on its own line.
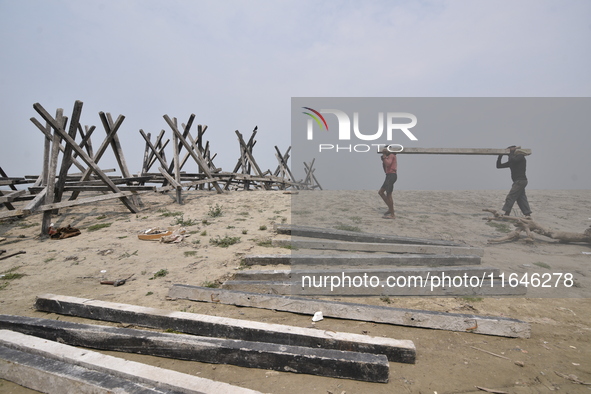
(517,164)
(390,166)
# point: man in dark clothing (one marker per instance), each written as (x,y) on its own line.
(517,164)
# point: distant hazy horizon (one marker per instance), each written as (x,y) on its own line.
(237,65)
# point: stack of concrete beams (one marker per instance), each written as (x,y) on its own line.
(428,265)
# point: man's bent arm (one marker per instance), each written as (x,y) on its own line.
(501,165)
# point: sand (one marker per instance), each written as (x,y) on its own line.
(446,362)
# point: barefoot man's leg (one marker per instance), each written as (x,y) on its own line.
(387,197)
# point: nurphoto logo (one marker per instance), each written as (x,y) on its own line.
(392,121)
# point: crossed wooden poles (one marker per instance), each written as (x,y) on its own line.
(194,149)
(60,134)
(50,188)
(246,173)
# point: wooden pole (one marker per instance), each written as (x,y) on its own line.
(46,155)
(67,156)
(146,155)
(177,169)
(50,181)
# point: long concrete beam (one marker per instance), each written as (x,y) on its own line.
(397,281)
(353,286)
(488,325)
(423,272)
(52,367)
(378,247)
(354,236)
(46,375)
(361,260)
(213,326)
(323,362)
(458,151)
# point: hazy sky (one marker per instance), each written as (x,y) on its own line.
(236,65)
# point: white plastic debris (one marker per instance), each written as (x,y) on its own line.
(317,316)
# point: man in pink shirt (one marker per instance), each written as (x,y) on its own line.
(390,166)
